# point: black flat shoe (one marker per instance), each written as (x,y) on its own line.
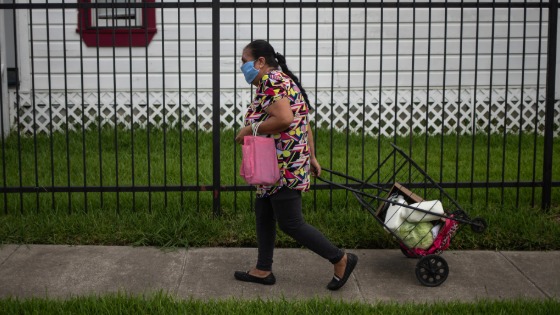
(336,283)
(246,277)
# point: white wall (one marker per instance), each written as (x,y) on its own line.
(165,56)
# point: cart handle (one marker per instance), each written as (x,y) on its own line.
(355,191)
(349,188)
(364,183)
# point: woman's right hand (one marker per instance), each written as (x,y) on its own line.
(245,131)
(315,167)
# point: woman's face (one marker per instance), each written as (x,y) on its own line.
(260,63)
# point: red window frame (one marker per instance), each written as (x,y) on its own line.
(118,37)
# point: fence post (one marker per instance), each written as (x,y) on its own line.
(550,100)
(216,105)
(4,107)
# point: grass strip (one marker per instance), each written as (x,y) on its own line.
(449,158)
(508,229)
(164,304)
(185,219)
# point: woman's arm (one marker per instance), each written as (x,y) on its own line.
(280,118)
(315,166)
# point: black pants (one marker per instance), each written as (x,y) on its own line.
(285,207)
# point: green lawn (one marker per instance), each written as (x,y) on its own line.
(163,304)
(97,160)
(186,219)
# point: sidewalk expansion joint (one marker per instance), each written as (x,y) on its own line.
(7,258)
(359,287)
(524,275)
(183,268)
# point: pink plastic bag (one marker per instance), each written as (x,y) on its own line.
(259,165)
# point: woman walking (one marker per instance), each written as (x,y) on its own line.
(281,108)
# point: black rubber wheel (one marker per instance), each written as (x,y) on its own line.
(406,253)
(432,270)
(478,225)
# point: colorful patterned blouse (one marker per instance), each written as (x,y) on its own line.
(291,144)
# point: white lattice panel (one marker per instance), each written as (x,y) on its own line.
(386,112)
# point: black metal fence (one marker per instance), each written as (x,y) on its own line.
(122,100)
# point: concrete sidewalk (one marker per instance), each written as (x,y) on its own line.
(207,273)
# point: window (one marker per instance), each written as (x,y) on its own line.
(121,26)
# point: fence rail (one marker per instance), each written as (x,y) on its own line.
(457,82)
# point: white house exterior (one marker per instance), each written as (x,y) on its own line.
(401,68)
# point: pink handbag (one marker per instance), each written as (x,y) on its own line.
(259,165)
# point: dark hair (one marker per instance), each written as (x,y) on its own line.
(261,48)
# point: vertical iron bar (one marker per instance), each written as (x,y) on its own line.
(522,104)
(68,182)
(4,181)
(144,13)
(396,98)
(99,143)
(300,63)
(379,102)
(332,104)
(459,101)
(491,92)
(51,135)
(164,107)
(410,131)
(444,99)
(550,99)
(537,103)
(235,130)
(268,20)
(116,122)
(216,103)
(504,141)
(300,41)
(197,151)
(397,57)
(83,12)
(284,28)
(180,72)
(315,136)
(18,116)
(474,123)
(349,105)
(251,90)
(35,157)
(364,91)
(426,142)
(132,114)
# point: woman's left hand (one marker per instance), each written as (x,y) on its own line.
(315,167)
(245,131)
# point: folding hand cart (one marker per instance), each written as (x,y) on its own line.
(423,226)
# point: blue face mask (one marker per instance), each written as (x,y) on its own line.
(249,71)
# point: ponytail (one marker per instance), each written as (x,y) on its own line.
(261,48)
(282,63)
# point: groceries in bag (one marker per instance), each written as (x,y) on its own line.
(416,235)
(411,224)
